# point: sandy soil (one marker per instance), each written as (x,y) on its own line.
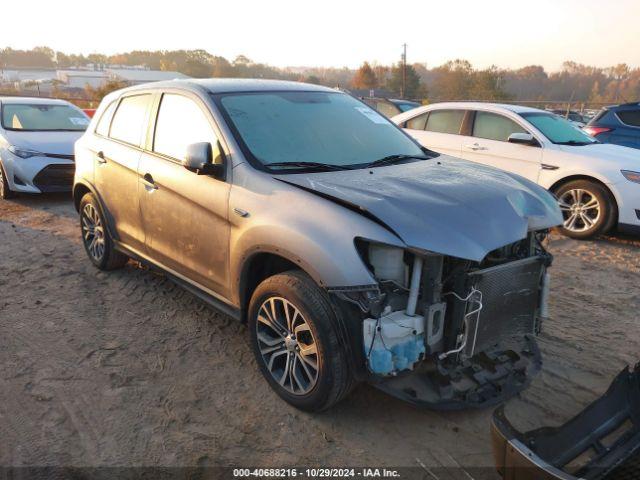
(126,368)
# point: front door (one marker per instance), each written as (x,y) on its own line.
(184,214)
(488,145)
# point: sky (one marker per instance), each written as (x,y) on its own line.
(337,33)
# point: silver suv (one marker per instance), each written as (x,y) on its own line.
(352,253)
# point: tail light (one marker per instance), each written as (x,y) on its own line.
(593,131)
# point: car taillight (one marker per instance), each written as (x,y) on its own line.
(593,131)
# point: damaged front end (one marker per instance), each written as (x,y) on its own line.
(600,443)
(449,333)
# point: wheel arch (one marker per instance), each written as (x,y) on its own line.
(553,188)
(80,189)
(260,265)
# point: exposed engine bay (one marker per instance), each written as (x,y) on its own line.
(452,333)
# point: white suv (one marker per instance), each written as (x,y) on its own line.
(597,185)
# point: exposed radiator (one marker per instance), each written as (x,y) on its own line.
(510,299)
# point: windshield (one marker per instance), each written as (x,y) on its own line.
(558,130)
(40,117)
(313,127)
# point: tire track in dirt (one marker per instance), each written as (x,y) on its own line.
(126,368)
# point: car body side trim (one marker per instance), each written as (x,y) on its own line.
(209,296)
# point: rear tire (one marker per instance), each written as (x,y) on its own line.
(294,337)
(95,236)
(5,192)
(588,209)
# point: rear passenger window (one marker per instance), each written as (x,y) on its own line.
(130,120)
(494,127)
(445,121)
(630,117)
(180,123)
(418,123)
(105,120)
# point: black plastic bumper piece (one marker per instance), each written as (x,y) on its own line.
(55,178)
(484,380)
(600,443)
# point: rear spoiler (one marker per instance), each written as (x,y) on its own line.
(601,442)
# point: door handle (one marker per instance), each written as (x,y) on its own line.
(147,181)
(475,147)
(100,157)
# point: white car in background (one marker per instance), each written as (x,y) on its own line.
(597,185)
(37,138)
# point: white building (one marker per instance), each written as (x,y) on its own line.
(81,78)
(135,76)
(20,75)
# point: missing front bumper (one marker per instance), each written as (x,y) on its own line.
(600,443)
(484,380)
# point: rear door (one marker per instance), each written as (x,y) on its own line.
(629,133)
(116,165)
(438,130)
(184,214)
(488,145)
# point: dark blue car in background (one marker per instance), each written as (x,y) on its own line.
(619,124)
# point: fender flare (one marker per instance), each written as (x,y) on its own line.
(109,220)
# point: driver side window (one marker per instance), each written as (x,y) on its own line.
(492,126)
(181,122)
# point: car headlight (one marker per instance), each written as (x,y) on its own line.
(23,152)
(631,176)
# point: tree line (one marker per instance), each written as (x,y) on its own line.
(454,80)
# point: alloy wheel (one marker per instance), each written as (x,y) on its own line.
(287,345)
(93,232)
(1,183)
(580,208)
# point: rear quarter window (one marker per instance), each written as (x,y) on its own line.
(417,123)
(105,119)
(130,120)
(630,117)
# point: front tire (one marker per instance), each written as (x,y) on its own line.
(587,209)
(95,237)
(5,192)
(294,337)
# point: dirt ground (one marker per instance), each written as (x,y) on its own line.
(126,368)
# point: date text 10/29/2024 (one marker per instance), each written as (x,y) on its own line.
(316,472)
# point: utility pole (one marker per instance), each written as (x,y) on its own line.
(404,70)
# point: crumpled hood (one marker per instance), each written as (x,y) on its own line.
(443,205)
(59,143)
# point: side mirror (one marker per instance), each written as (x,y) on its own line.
(523,139)
(203,159)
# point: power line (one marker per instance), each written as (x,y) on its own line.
(404,70)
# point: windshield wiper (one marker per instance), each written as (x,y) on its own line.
(575,143)
(391,159)
(327,167)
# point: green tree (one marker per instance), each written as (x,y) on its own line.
(413,85)
(365,77)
